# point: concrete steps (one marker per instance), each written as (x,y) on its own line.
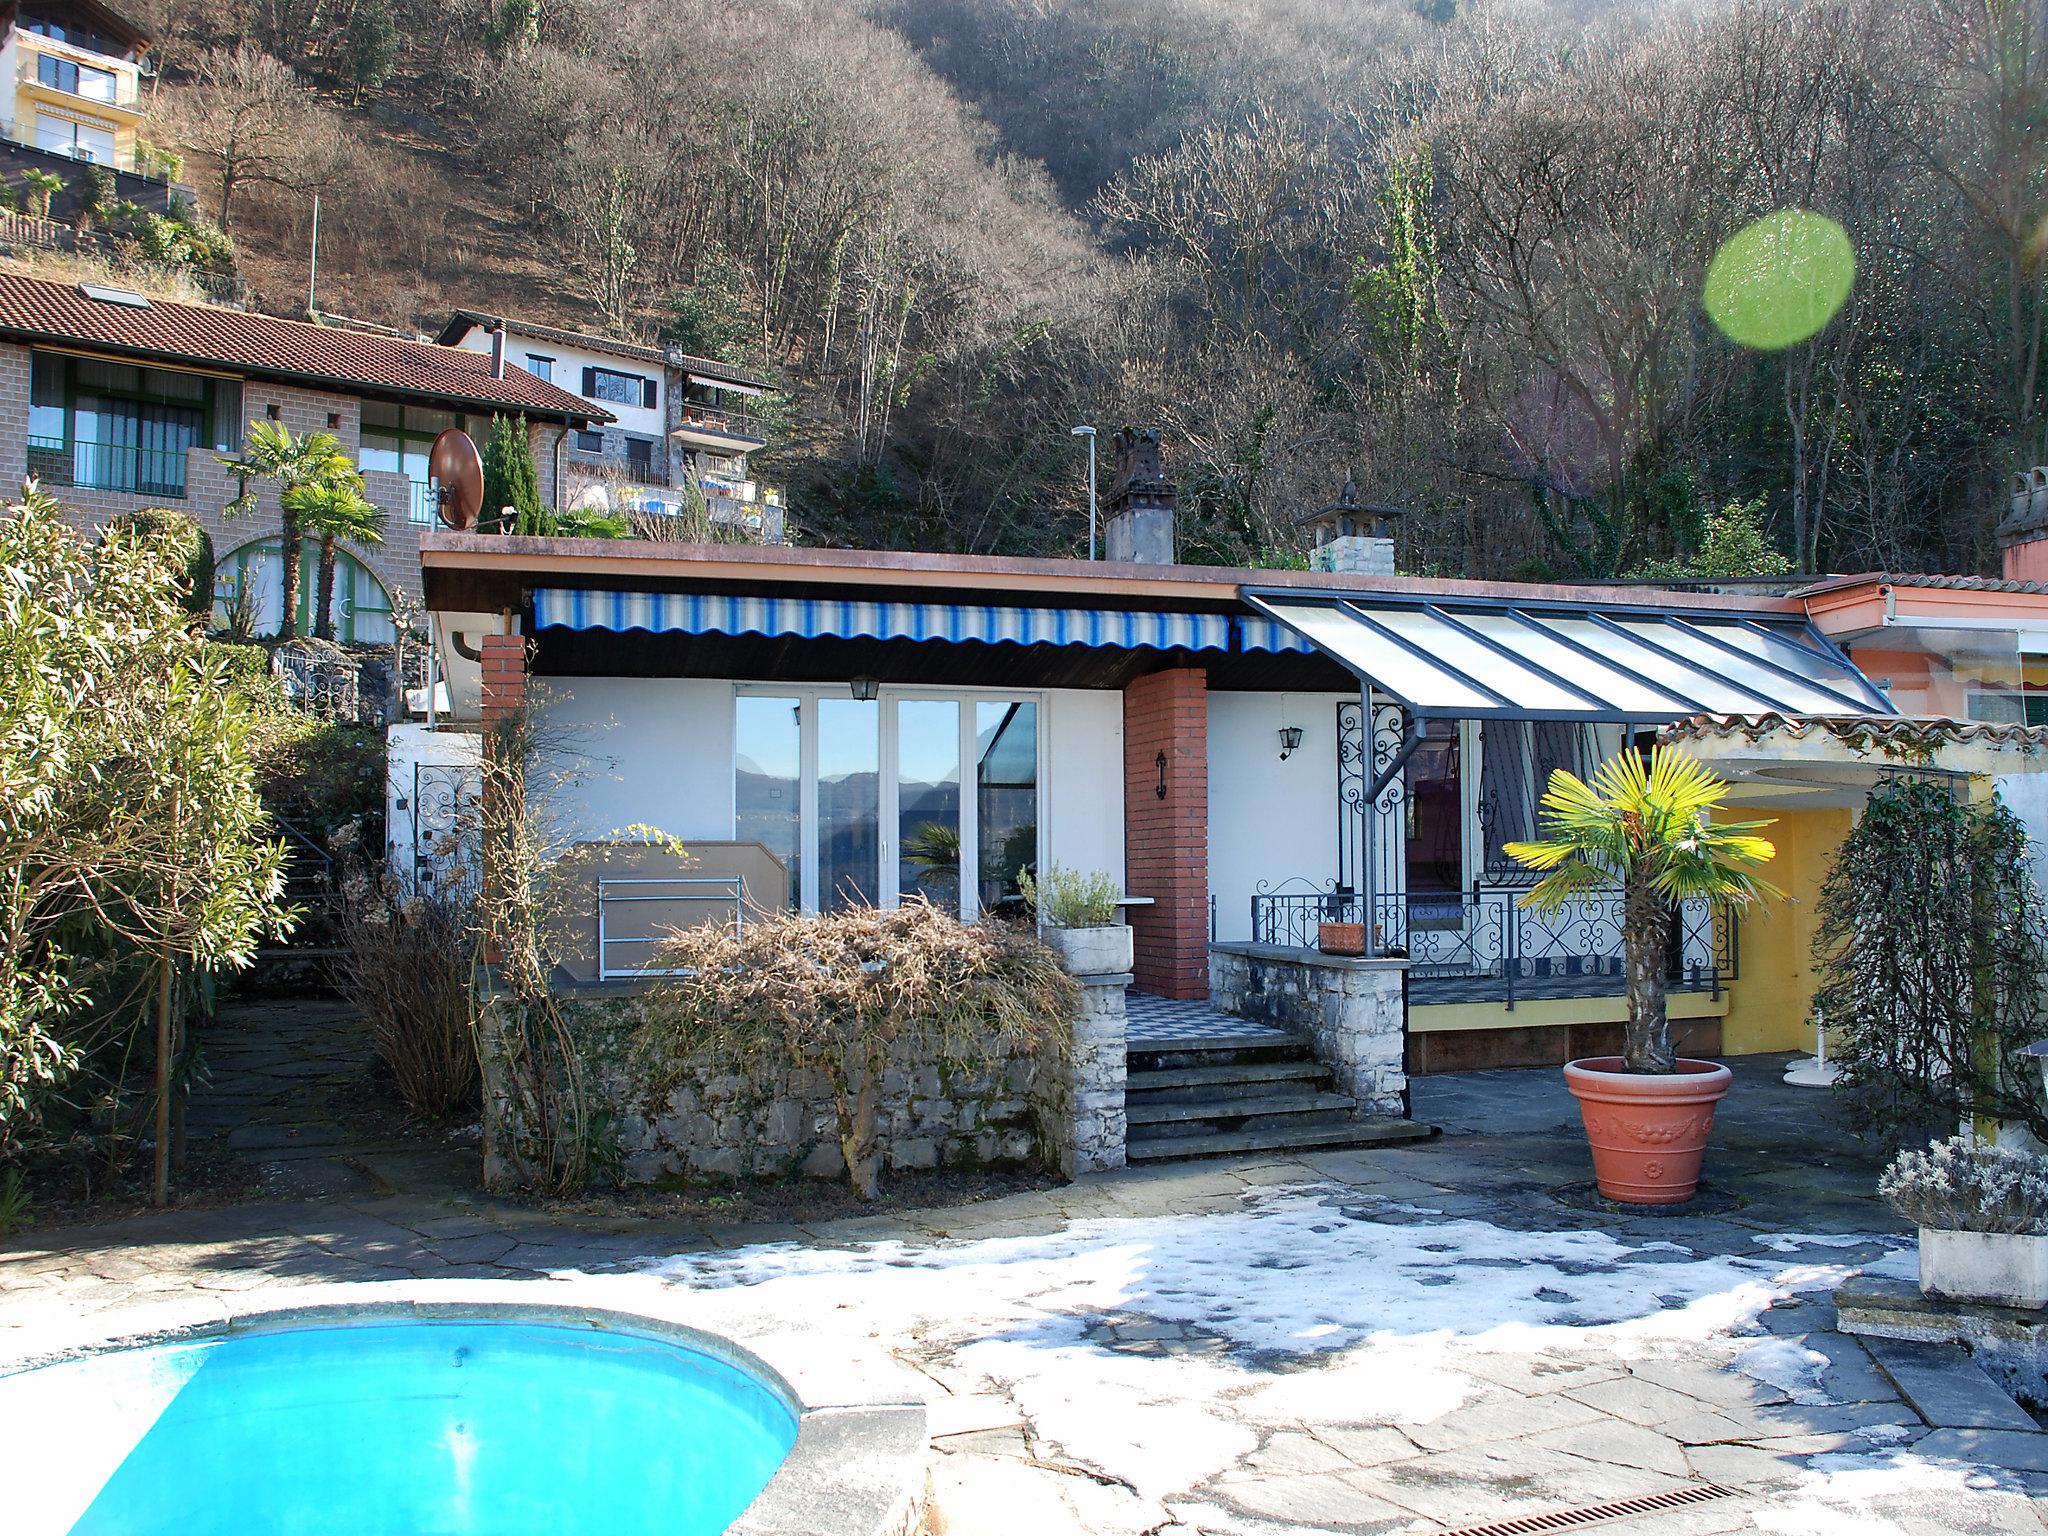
(1232,1091)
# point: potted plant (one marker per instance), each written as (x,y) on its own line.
(1077,916)
(1982,1212)
(1647,831)
(1340,938)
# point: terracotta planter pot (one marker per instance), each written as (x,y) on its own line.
(1341,938)
(1648,1130)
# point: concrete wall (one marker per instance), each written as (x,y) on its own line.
(638,421)
(1082,804)
(1268,820)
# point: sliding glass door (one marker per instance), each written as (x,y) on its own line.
(869,802)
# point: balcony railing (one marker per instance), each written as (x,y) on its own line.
(1484,945)
(421,509)
(108,466)
(727,421)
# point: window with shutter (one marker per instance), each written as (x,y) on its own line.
(648,394)
(589,383)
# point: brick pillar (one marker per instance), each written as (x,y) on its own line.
(504,667)
(1166,839)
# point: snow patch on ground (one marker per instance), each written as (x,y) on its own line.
(1791,1367)
(1161,1349)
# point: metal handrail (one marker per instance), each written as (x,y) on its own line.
(1482,936)
(731,888)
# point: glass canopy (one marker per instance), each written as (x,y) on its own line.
(1553,662)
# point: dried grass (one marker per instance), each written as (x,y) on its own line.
(851,994)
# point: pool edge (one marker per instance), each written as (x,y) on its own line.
(858,1467)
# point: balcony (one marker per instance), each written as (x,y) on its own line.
(154,472)
(66,74)
(721,428)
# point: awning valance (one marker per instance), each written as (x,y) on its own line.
(814,618)
(1578,662)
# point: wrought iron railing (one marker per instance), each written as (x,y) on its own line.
(1486,943)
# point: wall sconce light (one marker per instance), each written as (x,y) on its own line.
(866,688)
(1290,739)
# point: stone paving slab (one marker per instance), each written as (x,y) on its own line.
(1946,1387)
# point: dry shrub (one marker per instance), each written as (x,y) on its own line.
(406,963)
(848,995)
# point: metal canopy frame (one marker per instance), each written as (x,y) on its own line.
(1445,610)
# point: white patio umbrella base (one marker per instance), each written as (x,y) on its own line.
(1811,1072)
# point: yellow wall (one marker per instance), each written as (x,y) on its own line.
(1533,1012)
(1771,1002)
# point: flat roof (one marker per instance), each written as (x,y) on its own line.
(486,573)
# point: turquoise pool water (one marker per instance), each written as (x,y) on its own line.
(390,1428)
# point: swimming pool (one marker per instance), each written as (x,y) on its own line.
(392,1426)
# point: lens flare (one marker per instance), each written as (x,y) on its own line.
(1779,281)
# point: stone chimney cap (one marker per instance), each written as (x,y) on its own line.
(1348,508)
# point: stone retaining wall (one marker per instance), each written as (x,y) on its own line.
(1354,1012)
(1018,1111)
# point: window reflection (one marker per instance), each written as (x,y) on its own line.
(1005,800)
(928,801)
(767,779)
(849,802)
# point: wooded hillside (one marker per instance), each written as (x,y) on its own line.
(1457,250)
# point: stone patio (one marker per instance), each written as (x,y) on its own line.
(1119,1355)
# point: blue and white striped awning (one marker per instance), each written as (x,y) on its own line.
(815,618)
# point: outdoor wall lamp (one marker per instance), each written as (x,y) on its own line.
(865,688)
(1290,739)
(1159,762)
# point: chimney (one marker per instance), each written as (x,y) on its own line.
(1353,538)
(1142,503)
(498,350)
(2023,536)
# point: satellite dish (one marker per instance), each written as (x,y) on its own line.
(458,474)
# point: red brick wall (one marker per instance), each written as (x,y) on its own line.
(504,681)
(1166,841)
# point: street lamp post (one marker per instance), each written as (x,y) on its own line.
(1089,433)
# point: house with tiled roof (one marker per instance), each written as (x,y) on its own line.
(678,421)
(116,400)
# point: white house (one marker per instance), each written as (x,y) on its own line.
(677,420)
(1249,753)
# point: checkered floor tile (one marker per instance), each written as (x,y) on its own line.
(1160,1020)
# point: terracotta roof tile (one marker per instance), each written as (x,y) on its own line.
(1933,583)
(1911,733)
(34,310)
(463,321)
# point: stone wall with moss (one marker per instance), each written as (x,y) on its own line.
(718,1122)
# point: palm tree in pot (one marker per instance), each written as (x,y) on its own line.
(1648,830)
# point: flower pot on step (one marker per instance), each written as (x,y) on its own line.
(1341,938)
(1648,1130)
(1105,951)
(2008,1269)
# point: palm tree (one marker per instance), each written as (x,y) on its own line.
(1651,834)
(38,187)
(331,509)
(271,452)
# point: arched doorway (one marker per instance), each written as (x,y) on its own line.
(249,582)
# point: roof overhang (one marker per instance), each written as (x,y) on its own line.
(1812,762)
(1900,615)
(497,572)
(1468,656)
